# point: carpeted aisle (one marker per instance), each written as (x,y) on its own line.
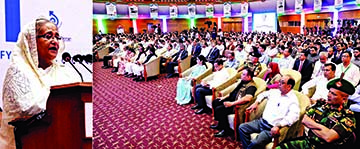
(129,114)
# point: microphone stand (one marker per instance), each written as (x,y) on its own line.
(86,67)
(82,80)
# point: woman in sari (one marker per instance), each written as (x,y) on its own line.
(31,73)
(272,76)
(183,89)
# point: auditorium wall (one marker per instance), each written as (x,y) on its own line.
(317,19)
(287,23)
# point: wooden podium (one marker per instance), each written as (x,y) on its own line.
(66,111)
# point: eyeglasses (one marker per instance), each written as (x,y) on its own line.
(49,36)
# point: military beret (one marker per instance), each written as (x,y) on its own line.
(255,54)
(341,85)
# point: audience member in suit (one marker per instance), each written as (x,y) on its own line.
(213,54)
(304,66)
(224,106)
(205,88)
(182,54)
(313,55)
(338,54)
(195,52)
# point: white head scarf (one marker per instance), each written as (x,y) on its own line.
(26,49)
(26,86)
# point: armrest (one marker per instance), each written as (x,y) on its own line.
(229,89)
(187,72)
(225,84)
(208,78)
(203,75)
(184,64)
(152,67)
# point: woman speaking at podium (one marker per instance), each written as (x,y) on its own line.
(31,73)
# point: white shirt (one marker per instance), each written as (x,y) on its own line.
(356,99)
(221,48)
(286,62)
(318,69)
(219,77)
(280,110)
(168,53)
(272,52)
(321,91)
(352,73)
(205,51)
(189,48)
(241,55)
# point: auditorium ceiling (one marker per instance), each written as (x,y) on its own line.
(174,1)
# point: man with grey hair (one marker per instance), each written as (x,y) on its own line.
(319,65)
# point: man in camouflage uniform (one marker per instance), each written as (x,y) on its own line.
(328,124)
(253,63)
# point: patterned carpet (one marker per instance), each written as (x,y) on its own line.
(129,114)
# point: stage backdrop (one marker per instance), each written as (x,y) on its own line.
(74,19)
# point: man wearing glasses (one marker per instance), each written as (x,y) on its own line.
(347,69)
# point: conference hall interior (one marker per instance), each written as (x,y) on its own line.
(185,73)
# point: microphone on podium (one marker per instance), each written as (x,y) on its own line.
(79,58)
(67,58)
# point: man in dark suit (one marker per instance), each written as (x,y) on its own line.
(213,54)
(195,52)
(338,53)
(305,67)
(181,55)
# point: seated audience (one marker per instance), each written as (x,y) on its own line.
(319,65)
(272,76)
(213,54)
(231,62)
(329,124)
(130,53)
(287,62)
(183,89)
(205,88)
(253,63)
(224,106)
(319,83)
(356,58)
(129,67)
(349,70)
(138,68)
(109,57)
(282,109)
(304,66)
(180,55)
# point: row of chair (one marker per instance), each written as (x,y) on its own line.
(241,115)
(152,68)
